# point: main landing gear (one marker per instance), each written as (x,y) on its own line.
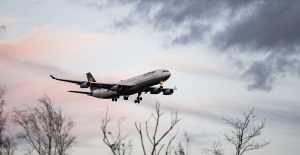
(115,98)
(126,97)
(138,99)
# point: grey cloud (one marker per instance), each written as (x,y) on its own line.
(271,28)
(262,74)
(2,28)
(282,113)
(171,14)
(273,25)
(253,27)
(196,32)
(125,23)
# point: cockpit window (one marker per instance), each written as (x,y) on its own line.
(165,71)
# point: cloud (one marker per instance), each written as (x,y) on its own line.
(2,28)
(196,67)
(283,113)
(232,27)
(270,29)
(270,26)
(27,60)
(263,73)
(47,40)
(41,46)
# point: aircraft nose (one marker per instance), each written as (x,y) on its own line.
(168,74)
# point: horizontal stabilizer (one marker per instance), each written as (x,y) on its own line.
(81,92)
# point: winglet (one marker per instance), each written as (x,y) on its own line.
(53,77)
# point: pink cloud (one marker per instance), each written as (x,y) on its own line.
(48,40)
(43,50)
(8,20)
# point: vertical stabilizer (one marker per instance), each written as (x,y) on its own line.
(90,78)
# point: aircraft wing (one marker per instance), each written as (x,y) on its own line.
(109,85)
(81,92)
(149,89)
(94,84)
(157,89)
(65,80)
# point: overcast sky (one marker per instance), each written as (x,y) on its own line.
(224,56)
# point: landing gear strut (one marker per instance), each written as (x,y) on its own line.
(138,99)
(161,84)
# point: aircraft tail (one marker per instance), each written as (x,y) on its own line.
(90,78)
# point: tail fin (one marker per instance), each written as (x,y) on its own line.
(90,78)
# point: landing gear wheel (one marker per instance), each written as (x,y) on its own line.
(136,101)
(140,98)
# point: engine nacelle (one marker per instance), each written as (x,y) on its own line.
(116,87)
(85,84)
(155,91)
(168,91)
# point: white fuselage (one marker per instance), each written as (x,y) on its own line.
(138,83)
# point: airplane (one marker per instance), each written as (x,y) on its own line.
(138,84)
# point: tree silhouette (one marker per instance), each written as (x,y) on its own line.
(117,144)
(217,149)
(7,144)
(243,131)
(45,128)
(154,139)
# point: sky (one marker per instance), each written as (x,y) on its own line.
(225,57)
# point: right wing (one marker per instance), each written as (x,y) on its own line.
(157,90)
(81,92)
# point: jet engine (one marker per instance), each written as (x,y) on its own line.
(85,84)
(155,91)
(116,87)
(168,91)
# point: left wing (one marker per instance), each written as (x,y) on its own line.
(71,81)
(86,84)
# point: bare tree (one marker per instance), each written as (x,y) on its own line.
(217,149)
(188,143)
(243,131)
(118,144)
(7,144)
(45,128)
(155,140)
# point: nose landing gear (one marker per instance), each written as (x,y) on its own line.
(161,84)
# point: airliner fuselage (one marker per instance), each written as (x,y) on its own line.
(138,84)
